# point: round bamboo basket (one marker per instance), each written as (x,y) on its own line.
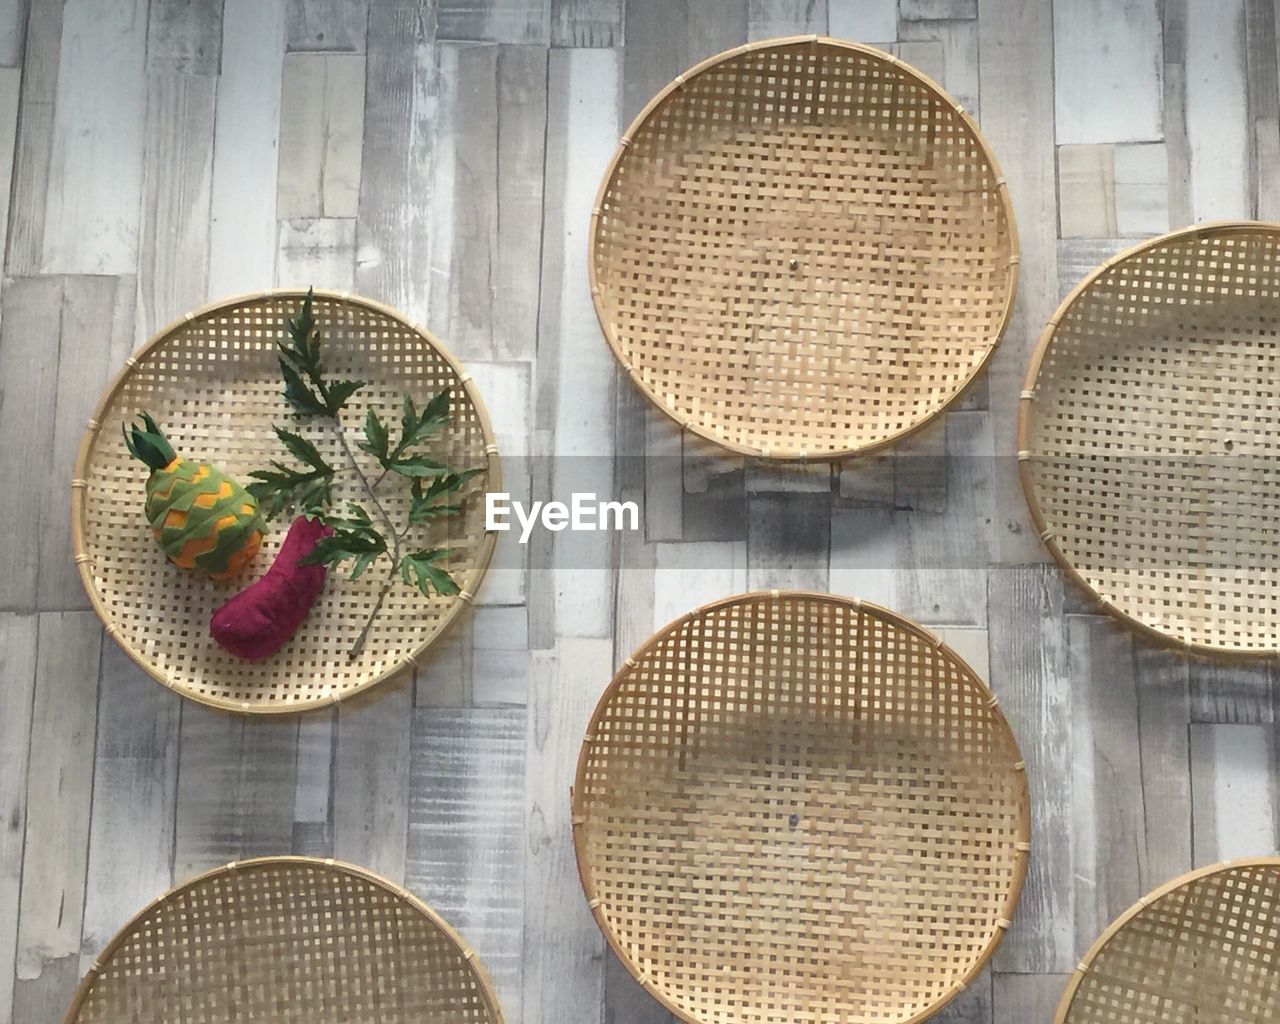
(213,384)
(803,249)
(1201,949)
(1149,433)
(286,939)
(792,806)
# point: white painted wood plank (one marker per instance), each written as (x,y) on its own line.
(371,779)
(487,208)
(505,389)
(313,787)
(242,233)
(864,21)
(95,173)
(318,252)
(1218,128)
(177,190)
(1234,792)
(500,656)
(487,21)
(397,160)
(237,779)
(59,793)
(1029,674)
(88,339)
(864,556)
(466,832)
(768,19)
(1077,257)
(13,31)
(1087,191)
(17,689)
(327,26)
(687,576)
(30,325)
(971,644)
(563,948)
(321,133)
(1107,68)
(443,676)
(184,36)
(25,247)
(135,780)
(1142,189)
(1015,65)
(959,41)
(586,22)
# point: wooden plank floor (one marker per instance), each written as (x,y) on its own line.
(443,156)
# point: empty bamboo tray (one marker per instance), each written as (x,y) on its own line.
(290,940)
(795,807)
(803,249)
(212,382)
(1150,436)
(1204,949)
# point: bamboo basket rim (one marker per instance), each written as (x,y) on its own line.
(79,483)
(578,819)
(1023,434)
(1115,927)
(328,863)
(676,84)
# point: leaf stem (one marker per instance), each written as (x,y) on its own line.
(387,521)
(358,646)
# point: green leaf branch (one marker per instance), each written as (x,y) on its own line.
(360,537)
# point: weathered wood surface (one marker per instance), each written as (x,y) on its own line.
(444,157)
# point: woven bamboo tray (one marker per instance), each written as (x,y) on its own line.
(287,940)
(795,807)
(212,382)
(802,249)
(1149,435)
(1204,949)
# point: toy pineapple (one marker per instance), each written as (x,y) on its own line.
(202,519)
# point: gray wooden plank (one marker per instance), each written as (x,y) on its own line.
(656,50)
(88,340)
(1087,191)
(1233,792)
(177,193)
(237,777)
(487,221)
(1178,145)
(625,1001)
(34,145)
(1077,257)
(92,208)
(714,504)
(563,958)
(788,541)
(767,19)
(712,26)
(1232,692)
(920,469)
(586,22)
(1029,673)
(1015,62)
(318,252)
(1218,129)
(634,590)
(371,779)
(59,793)
(1142,189)
(466,832)
(937,10)
(29,326)
(321,134)
(327,26)
(972,1006)
(397,166)
(1163,714)
(499,657)
(242,230)
(135,782)
(313,788)
(184,36)
(864,21)
(942,556)
(1107,92)
(17,691)
(687,576)
(1264,106)
(13,32)
(443,675)
(663,476)
(10,96)
(864,555)
(959,41)
(1026,998)
(486,21)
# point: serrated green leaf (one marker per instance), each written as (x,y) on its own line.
(345,545)
(303,450)
(337,393)
(297,394)
(418,570)
(418,466)
(376,438)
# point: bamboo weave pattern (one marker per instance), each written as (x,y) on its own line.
(793,807)
(803,249)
